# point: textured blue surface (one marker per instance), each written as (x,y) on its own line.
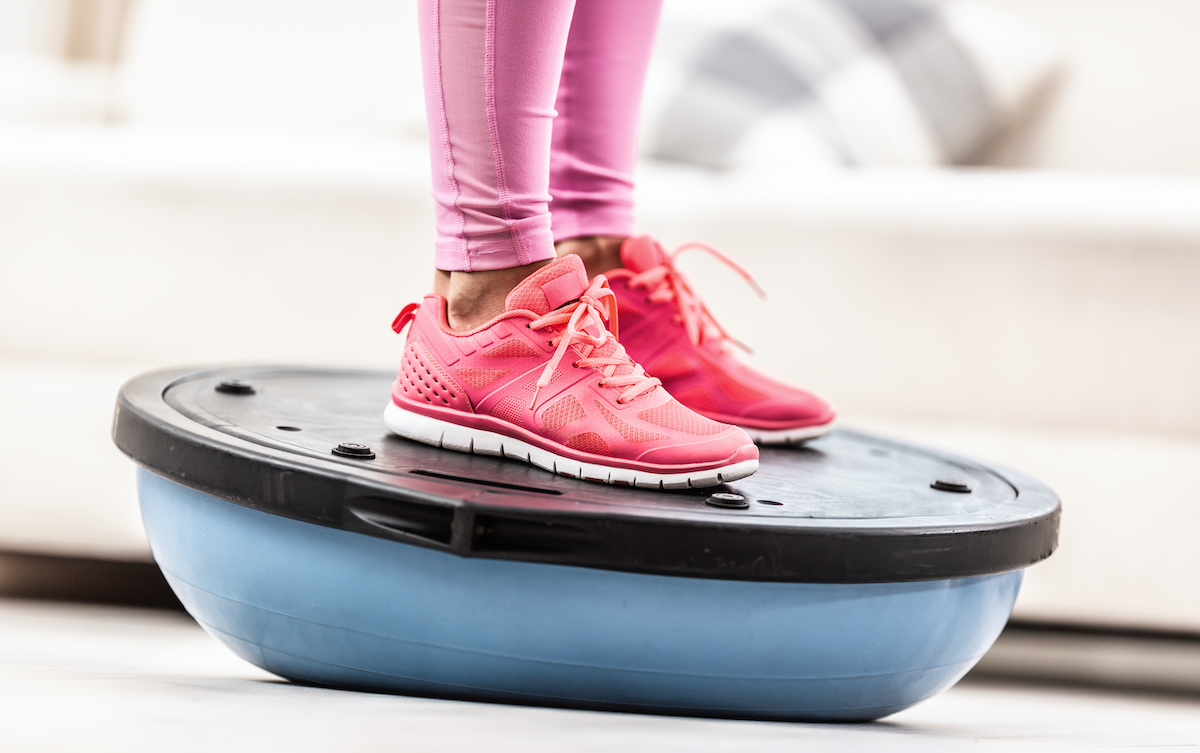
(336,608)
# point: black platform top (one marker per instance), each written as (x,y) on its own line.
(847,508)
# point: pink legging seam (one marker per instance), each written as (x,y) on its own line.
(489,88)
(434,58)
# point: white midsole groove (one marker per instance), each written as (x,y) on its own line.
(439,433)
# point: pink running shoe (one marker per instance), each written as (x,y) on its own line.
(666,327)
(547,383)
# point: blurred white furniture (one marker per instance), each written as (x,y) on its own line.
(269,202)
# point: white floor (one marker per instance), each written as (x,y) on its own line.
(99,679)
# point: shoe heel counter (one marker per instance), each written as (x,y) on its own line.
(423,381)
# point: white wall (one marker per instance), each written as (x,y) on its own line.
(1129,100)
(37,27)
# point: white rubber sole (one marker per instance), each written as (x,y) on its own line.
(788,436)
(433,431)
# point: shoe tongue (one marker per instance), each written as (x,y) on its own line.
(552,286)
(549,287)
(642,253)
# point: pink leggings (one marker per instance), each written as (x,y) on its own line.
(496,72)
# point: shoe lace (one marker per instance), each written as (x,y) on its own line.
(667,284)
(597,305)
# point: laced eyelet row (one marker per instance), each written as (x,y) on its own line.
(666,284)
(592,309)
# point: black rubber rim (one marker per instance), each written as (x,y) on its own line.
(508,511)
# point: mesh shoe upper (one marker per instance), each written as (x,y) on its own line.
(549,372)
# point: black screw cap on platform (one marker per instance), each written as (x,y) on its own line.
(951,485)
(725,499)
(235,387)
(354,450)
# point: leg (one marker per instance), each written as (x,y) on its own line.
(491,70)
(667,328)
(595,133)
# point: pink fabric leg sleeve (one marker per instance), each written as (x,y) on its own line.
(491,70)
(595,133)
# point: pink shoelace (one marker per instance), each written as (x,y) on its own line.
(666,284)
(597,305)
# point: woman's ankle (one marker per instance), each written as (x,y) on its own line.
(475,298)
(600,253)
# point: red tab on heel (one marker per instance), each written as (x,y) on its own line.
(404,317)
